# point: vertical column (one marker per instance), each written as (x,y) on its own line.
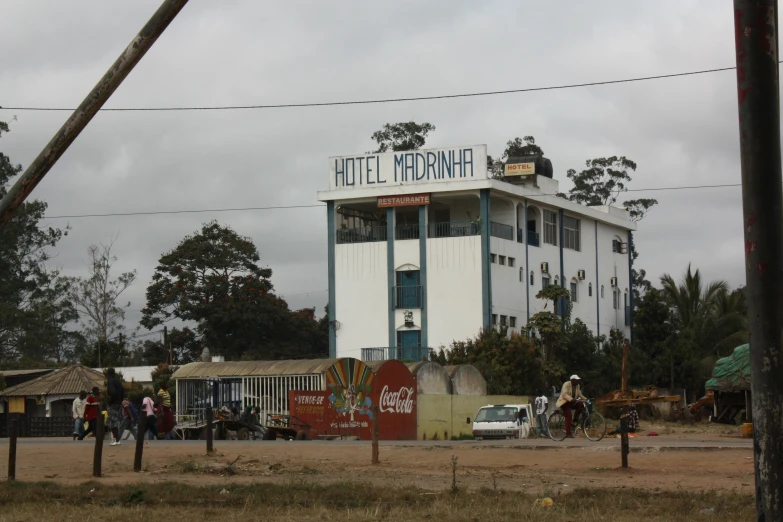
(527,263)
(562,304)
(597,287)
(486,269)
(390,277)
(331,268)
(423,272)
(630,286)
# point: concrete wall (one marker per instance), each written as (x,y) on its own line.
(361,297)
(466,380)
(453,289)
(441,417)
(431,379)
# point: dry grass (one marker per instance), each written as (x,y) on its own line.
(302,500)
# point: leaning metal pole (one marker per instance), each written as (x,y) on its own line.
(756,40)
(89,107)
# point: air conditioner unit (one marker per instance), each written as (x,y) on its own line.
(581,275)
(545,267)
(613,281)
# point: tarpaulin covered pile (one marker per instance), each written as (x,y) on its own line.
(732,374)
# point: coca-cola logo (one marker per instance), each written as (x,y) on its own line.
(396,402)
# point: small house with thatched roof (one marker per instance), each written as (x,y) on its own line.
(51,395)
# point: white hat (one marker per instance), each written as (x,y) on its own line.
(575,377)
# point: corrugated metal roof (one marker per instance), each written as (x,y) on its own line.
(200,370)
(66,381)
(14,373)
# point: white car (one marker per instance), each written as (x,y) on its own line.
(503,421)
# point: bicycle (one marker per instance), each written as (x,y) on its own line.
(592,423)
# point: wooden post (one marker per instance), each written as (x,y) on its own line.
(209,433)
(624,441)
(12,450)
(375,434)
(141,432)
(98,455)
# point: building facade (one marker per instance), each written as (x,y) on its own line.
(425,248)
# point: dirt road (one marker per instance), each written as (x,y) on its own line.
(687,462)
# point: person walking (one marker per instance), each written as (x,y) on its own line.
(91,412)
(78,414)
(542,405)
(130,418)
(116,395)
(152,420)
(165,416)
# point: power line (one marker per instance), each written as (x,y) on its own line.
(282,207)
(386,100)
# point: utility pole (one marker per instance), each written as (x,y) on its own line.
(128,59)
(756,40)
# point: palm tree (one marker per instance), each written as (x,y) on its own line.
(712,318)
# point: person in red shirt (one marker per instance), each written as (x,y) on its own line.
(91,411)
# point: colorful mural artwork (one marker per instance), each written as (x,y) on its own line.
(350,383)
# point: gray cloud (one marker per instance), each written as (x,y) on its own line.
(680,131)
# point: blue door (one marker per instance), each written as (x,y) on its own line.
(408,344)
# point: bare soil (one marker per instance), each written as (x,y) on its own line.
(513,467)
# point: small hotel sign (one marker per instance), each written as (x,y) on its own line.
(520,169)
(410,200)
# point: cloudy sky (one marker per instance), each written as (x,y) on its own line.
(680,131)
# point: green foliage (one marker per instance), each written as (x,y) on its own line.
(403,136)
(601,181)
(34,307)
(112,354)
(162,375)
(511,364)
(212,278)
(186,346)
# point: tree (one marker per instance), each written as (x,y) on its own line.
(602,181)
(212,278)
(518,147)
(511,364)
(402,136)
(32,299)
(186,346)
(96,296)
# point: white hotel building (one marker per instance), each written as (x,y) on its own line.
(425,248)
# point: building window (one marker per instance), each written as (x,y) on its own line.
(557,281)
(521,274)
(532,278)
(407,293)
(574,295)
(616,299)
(494,319)
(503,320)
(493,258)
(615,246)
(550,227)
(511,261)
(512,322)
(571,234)
(544,281)
(602,291)
(590,290)
(502,260)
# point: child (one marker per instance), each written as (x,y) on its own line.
(542,405)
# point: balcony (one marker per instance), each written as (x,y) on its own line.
(532,238)
(403,353)
(453,229)
(408,231)
(407,297)
(502,231)
(368,234)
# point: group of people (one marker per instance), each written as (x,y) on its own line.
(122,415)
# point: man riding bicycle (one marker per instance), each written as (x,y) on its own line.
(568,402)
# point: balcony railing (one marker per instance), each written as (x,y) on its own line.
(406,297)
(402,353)
(500,230)
(532,238)
(410,231)
(366,234)
(454,229)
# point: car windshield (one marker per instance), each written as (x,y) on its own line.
(496,414)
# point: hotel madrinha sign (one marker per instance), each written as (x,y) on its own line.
(408,168)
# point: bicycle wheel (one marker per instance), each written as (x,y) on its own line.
(556,424)
(594,426)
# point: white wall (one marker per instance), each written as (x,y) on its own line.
(361,297)
(453,289)
(509,295)
(585,306)
(406,252)
(612,265)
